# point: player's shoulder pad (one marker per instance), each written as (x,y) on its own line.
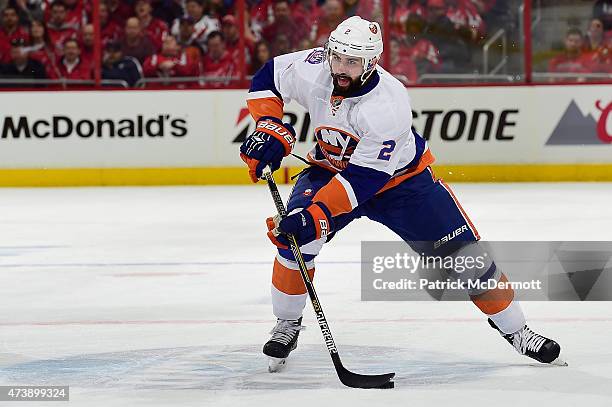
(386,115)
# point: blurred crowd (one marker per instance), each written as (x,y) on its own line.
(200,38)
(587,49)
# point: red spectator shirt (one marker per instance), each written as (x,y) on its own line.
(57,35)
(295,29)
(183,66)
(425,49)
(234,50)
(157,31)
(111,32)
(566,64)
(19,33)
(405,67)
(6,39)
(79,71)
(122,12)
(598,60)
(44,54)
(307,14)
(466,15)
(223,67)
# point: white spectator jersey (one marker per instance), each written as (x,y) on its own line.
(366,137)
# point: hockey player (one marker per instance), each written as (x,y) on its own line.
(367,162)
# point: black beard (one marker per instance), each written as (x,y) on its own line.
(353,85)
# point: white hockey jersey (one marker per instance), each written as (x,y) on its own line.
(365,137)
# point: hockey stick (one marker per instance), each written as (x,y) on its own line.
(347,377)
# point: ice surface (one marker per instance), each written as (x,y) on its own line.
(160,296)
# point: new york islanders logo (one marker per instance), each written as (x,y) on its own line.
(336,145)
(576,128)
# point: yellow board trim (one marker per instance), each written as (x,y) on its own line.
(54,177)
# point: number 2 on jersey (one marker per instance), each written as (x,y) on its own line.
(385,153)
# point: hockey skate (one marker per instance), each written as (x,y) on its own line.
(528,343)
(284,339)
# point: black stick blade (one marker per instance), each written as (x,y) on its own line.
(361,381)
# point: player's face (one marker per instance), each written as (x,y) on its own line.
(346,70)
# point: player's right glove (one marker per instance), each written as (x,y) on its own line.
(306,225)
(271,141)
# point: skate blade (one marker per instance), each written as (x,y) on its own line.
(559,362)
(275,365)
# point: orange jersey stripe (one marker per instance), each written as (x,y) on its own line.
(495,300)
(467,218)
(334,196)
(288,280)
(425,161)
(271,106)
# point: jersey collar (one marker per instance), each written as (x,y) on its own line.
(367,87)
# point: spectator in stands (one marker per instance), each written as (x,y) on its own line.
(135,43)
(40,48)
(363,8)
(58,28)
(308,10)
(468,22)
(333,14)
(74,13)
(11,30)
(186,40)
(294,28)
(602,10)
(572,60)
(218,65)
(21,66)
(87,45)
(597,49)
(153,27)
(117,66)
(261,55)
(400,11)
(229,28)
(110,31)
(217,8)
(167,10)
(204,24)
(119,11)
(281,45)
(402,66)
(424,54)
(594,37)
(170,62)
(70,65)
(454,51)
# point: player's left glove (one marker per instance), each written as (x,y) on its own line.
(307,225)
(267,145)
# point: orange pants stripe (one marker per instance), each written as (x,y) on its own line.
(289,281)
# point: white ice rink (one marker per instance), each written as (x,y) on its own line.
(159,296)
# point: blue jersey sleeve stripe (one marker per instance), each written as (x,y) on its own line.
(264,79)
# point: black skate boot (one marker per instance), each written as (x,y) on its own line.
(528,343)
(283,341)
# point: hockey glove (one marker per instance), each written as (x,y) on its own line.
(306,225)
(270,142)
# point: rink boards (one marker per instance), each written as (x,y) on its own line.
(491,133)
